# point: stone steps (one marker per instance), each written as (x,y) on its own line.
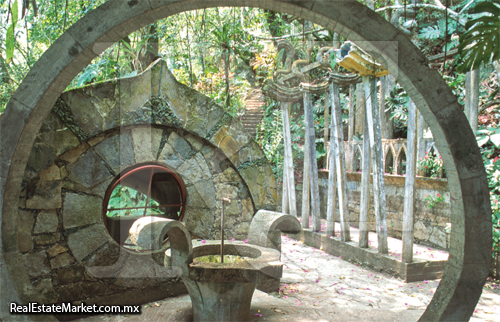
(253,111)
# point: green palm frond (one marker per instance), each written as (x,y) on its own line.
(481,42)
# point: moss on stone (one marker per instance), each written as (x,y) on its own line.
(61,109)
(224,121)
(155,111)
(255,163)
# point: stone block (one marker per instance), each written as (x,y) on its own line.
(117,151)
(46,222)
(85,241)
(169,157)
(63,260)
(91,289)
(40,157)
(71,274)
(196,110)
(191,171)
(193,197)
(225,190)
(438,237)
(242,228)
(56,250)
(72,155)
(195,141)
(107,256)
(60,141)
(47,239)
(233,209)
(36,263)
(96,139)
(146,143)
(89,171)
(47,195)
(248,210)
(26,220)
(206,191)
(52,123)
(85,113)
(80,210)
(420,231)
(51,173)
(45,290)
(194,216)
(180,145)
(133,93)
(70,292)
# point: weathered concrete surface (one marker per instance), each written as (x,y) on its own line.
(469,264)
(427,220)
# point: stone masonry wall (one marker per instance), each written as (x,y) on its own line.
(431,226)
(95,133)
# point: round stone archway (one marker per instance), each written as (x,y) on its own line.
(470,253)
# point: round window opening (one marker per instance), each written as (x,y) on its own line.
(148,190)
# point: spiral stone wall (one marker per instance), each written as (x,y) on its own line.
(91,136)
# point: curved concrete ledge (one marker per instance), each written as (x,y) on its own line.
(148,232)
(266,227)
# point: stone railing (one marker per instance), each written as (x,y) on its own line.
(394,154)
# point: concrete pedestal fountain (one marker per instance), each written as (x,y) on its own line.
(221,290)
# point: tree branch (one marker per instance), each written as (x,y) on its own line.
(453,14)
(275,38)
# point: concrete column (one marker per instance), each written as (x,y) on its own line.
(337,141)
(409,201)
(313,164)
(377,161)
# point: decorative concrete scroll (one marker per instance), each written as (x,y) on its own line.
(148,232)
(266,226)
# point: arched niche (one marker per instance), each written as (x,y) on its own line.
(401,161)
(470,254)
(389,161)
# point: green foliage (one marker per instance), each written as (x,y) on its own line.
(430,32)
(488,141)
(397,104)
(481,42)
(486,136)
(431,164)
(9,42)
(125,197)
(432,202)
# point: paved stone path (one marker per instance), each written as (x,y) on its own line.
(320,287)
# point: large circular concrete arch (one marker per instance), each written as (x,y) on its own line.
(470,253)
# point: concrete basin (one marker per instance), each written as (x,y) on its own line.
(220,291)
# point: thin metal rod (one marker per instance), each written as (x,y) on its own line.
(149,190)
(148,207)
(222,230)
